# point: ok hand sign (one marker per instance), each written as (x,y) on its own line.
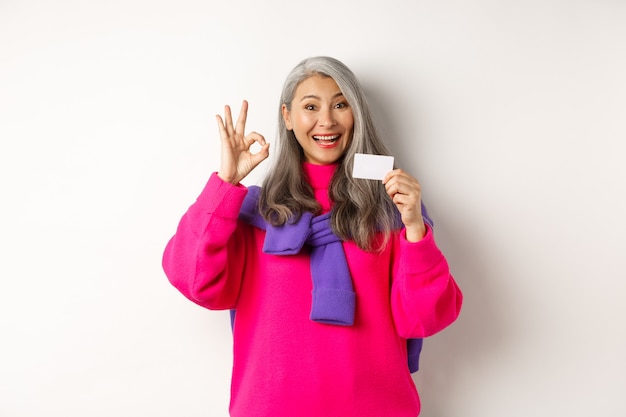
(236,159)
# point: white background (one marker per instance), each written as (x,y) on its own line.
(511,113)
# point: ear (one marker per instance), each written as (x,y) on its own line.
(286,116)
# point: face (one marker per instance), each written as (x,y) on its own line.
(321,120)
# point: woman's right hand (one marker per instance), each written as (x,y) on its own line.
(236,159)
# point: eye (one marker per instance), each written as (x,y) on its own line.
(309,107)
(341,105)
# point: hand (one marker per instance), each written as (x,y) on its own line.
(406,193)
(236,159)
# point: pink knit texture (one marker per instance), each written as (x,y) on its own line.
(286,365)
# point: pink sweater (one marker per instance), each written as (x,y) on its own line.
(286,365)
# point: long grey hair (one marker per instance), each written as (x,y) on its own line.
(361,208)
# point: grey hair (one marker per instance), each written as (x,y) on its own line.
(361,208)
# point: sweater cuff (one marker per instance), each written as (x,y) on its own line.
(222,198)
(419,256)
(333,306)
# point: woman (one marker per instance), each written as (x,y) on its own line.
(328,275)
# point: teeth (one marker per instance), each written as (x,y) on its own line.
(326,138)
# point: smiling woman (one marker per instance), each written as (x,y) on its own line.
(333,328)
(321,120)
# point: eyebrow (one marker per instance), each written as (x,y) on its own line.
(308,96)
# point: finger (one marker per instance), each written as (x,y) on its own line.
(391,188)
(220,126)
(228,120)
(241,120)
(394,185)
(408,200)
(400,175)
(255,137)
(390,175)
(406,193)
(403,180)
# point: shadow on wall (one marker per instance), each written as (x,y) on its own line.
(463,349)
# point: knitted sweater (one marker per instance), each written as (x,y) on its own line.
(286,365)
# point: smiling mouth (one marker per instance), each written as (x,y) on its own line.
(326,138)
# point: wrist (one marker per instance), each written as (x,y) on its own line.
(415,233)
(227,178)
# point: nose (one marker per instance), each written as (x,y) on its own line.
(326,118)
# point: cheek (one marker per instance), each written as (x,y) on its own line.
(348,142)
(305,121)
(348,121)
(349,124)
(350,138)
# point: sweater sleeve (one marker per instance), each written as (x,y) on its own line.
(424,296)
(196,259)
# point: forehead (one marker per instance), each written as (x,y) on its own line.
(317,86)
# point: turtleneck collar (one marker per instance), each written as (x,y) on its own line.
(319,176)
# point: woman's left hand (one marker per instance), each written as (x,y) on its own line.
(406,194)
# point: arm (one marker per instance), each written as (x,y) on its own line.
(196,259)
(424,296)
